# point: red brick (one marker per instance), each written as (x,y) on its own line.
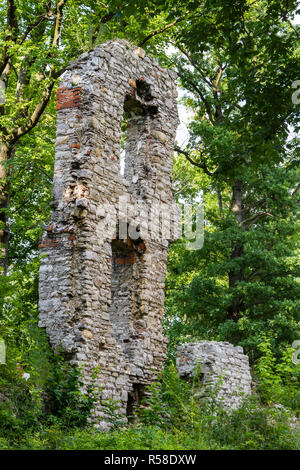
(50,228)
(68,98)
(129,259)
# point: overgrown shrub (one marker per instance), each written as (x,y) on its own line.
(176,419)
(66,401)
(278,381)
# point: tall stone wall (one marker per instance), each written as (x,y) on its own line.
(102,272)
(223,367)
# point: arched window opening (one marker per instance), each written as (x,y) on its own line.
(138,112)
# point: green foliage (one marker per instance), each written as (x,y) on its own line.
(68,404)
(112,413)
(176,418)
(145,438)
(279,381)
(51,394)
(25,406)
(178,405)
(238,62)
(254,427)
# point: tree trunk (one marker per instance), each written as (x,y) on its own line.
(4,228)
(234,276)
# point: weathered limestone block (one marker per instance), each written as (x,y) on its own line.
(103,267)
(222,365)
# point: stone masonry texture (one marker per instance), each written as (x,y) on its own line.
(222,365)
(101,296)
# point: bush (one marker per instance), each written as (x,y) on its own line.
(67,403)
(278,381)
(174,416)
(253,427)
(176,419)
(176,405)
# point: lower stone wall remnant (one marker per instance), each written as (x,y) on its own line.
(221,365)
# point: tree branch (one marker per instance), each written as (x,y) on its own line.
(40,107)
(293,27)
(10,33)
(196,66)
(202,97)
(255,273)
(35,116)
(58,21)
(220,200)
(162,30)
(201,165)
(251,220)
(36,23)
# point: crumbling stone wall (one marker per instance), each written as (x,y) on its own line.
(222,365)
(102,292)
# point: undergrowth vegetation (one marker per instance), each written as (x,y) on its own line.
(173,417)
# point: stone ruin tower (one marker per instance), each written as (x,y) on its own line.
(101,286)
